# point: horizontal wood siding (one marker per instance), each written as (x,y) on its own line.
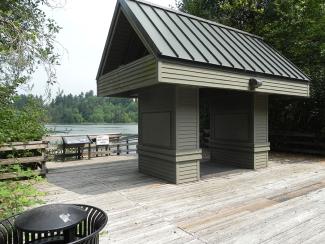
(261,160)
(137,74)
(260,119)
(168,133)
(186,74)
(187,132)
(156,132)
(188,171)
(157,167)
(187,135)
(261,130)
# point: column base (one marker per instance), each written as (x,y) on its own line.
(173,166)
(242,155)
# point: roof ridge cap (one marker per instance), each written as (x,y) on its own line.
(195,17)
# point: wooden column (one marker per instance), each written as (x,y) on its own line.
(239,129)
(168,133)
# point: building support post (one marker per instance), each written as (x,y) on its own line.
(239,129)
(169,133)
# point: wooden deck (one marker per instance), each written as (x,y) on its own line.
(284,203)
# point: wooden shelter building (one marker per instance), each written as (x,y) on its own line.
(170,61)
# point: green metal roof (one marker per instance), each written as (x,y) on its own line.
(176,35)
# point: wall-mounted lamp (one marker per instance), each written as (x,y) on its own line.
(255,83)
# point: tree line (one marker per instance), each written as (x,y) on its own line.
(84,108)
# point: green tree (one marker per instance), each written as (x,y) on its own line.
(27,40)
(88,108)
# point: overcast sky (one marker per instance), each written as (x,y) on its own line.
(85,25)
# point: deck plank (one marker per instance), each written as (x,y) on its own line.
(284,203)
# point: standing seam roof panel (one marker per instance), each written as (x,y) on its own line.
(250,53)
(235,63)
(270,57)
(244,55)
(150,29)
(289,68)
(188,37)
(220,56)
(214,43)
(285,60)
(259,55)
(167,33)
(286,67)
(158,29)
(174,19)
(247,65)
(175,31)
(202,39)
(207,53)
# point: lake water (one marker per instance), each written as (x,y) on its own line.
(89,129)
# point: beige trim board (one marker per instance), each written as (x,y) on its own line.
(176,158)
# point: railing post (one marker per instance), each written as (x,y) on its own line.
(127,146)
(118,149)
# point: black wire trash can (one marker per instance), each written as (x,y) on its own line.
(86,231)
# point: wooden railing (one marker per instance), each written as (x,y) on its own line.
(35,158)
(297,142)
(123,144)
(119,144)
(285,141)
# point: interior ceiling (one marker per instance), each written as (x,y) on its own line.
(125,46)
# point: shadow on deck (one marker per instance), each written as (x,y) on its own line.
(101,175)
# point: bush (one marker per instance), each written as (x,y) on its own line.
(24,124)
(19,124)
(15,195)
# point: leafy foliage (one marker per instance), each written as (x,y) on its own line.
(296,29)
(22,124)
(27,40)
(15,195)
